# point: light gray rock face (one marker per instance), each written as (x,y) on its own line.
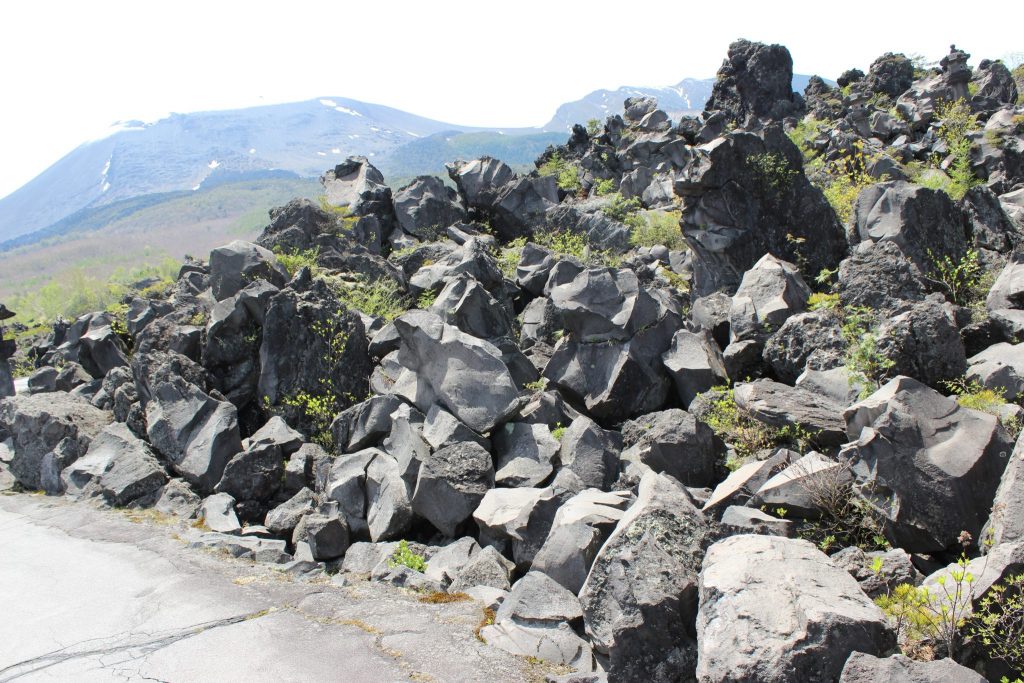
(745,481)
(802,625)
(534,621)
(345,483)
(217,512)
(591,452)
(1006,523)
(235,265)
(523,454)
(196,433)
(176,498)
(47,430)
(929,466)
(389,510)
(486,568)
(446,562)
(769,293)
(451,483)
(914,217)
(801,485)
(744,520)
(244,547)
(465,374)
(580,528)
(119,467)
(357,185)
(518,520)
(1000,367)
(283,519)
(426,206)
(780,405)
(639,598)
(676,443)
(695,364)
(864,668)
(327,536)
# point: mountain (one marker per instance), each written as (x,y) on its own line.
(183,152)
(685,98)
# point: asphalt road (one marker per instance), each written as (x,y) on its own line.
(103,595)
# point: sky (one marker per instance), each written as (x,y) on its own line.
(69,69)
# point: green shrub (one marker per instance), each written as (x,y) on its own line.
(819,302)
(970,393)
(733,425)
(846,519)
(806,131)
(297,259)
(865,364)
(404,557)
(620,208)
(998,622)
(593,127)
(957,123)
(426,299)
(650,228)
(565,172)
(319,410)
(773,172)
(604,187)
(380,298)
(966,280)
(509,256)
(568,243)
(343,218)
(558,432)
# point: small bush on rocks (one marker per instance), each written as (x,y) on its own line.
(652,228)
(405,557)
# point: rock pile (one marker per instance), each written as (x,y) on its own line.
(620,437)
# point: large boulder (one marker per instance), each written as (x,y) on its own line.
(879,276)
(514,204)
(781,406)
(676,443)
(811,340)
(451,483)
(639,598)
(924,342)
(314,349)
(195,432)
(119,467)
(1006,522)
(769,293)
(864,668)
(426,206)
(239,263)
(356,185)
(48,432)
(801,624)
(589,451)
(1000,368)
(924,223)
(464,374)
(694,362)
(755,80)
(743,180)
(891,74)
(927,465)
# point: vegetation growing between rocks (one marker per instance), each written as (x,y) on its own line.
(804,133)
(565,172)
(957,124)
(843,179)
(620,208)
(297,259)
(747,435)
(652,228)
(966,280)
(974,395)
(773,172)
(405,557)
(866,365)
(998,622)
(380,298)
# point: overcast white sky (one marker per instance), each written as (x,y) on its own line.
(70,68)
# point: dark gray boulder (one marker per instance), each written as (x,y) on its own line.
(315,347)
(676,443)
(1006,521)
(327,536)
(801,625)
(924,342)
(891,74)
(743,180)
(119,467)
(467,305)
(196,433)
(769,293)
(486,568)
(478,389)
(1000,367)
(780,405)
(928,466)
(356,184)
(592,453)
(239,263)
(879,276)
(514,204)
(283,519)
(426,206)
(255,474)
(639,600)
(450,485)
(388,508)
(755,80)
(917,219)
(364,424)
(811,340)
(878,572)
(523,454)
(47,430)
(217,513)
(695,364)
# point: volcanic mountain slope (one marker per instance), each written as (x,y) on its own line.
(679,405)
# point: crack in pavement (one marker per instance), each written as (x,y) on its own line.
(131,646)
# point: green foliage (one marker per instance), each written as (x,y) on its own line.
(746,435)
(843,179)
(565,172)
(380,298)
(998,622)
(966,280)
(865,364)
(297,259)
(773,172)
(538,386)
(970,393)
(805,132)
(344,220)
(558,432)
(957,123)
(650,228)
(404,557)
(593,127)
(620,208)
(509,256)
(576,245)
(426,299)
(320,410)
(819,301)
(942,614)
(605,186)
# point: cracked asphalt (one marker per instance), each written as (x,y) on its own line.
(90,594)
